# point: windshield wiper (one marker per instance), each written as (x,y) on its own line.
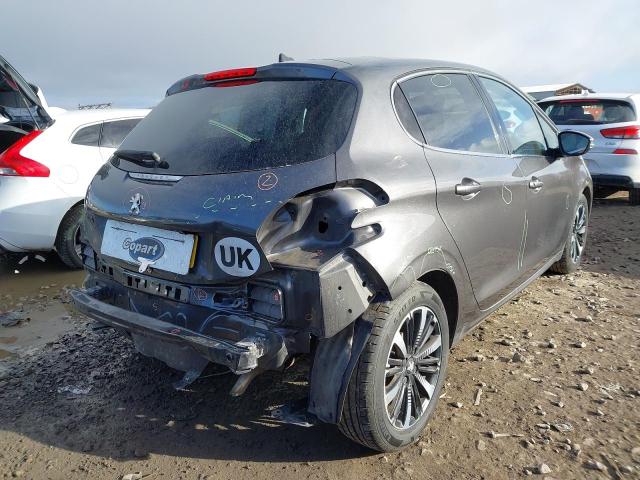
(143,158)
(233,131)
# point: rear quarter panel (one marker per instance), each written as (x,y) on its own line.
(414,239)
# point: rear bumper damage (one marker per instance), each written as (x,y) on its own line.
(247,349)
(187,335)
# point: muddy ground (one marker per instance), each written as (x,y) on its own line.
(558,370)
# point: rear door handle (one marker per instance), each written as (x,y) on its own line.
(535,183)
(468,186)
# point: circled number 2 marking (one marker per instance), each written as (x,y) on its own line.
(267,181)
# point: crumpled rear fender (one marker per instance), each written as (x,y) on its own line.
(314,232)
(360,246)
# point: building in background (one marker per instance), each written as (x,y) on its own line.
(538,92)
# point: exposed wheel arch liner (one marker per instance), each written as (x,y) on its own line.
(445,287)
(336,356)
(333,364)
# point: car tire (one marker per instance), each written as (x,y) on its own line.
(67,242)
(634,196)
(368,417)
(576,239)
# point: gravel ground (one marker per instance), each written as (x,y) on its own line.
(547,386)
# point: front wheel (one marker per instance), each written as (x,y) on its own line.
(395,386)
(576,241)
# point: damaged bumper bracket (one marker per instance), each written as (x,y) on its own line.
(239,356)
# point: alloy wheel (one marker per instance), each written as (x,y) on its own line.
(413,367)
(579,233)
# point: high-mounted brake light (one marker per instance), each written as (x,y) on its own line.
(632,131)
(235,83)
(229,74)
(13,164)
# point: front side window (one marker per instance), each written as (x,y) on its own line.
(88,136)
(451,113)
(550,134)
(113,133)
(518,119)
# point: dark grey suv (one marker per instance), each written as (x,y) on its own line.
(365,212)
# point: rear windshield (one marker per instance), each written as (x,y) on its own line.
(250,126)
(588,112)
(18,102)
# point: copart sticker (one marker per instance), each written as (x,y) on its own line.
(146,251)
(237,257)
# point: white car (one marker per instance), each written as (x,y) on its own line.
(45,174)
(613,121)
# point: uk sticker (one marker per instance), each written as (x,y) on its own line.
(237,257)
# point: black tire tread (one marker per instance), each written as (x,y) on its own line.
(634,196)
(64,240)
(354,423)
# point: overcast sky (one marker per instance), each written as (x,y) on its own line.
(129,51)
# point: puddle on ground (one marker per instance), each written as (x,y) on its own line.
(32,275)
(45,326)
(34,286)
(6,354)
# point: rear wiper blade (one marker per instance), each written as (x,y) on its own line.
(233,131)
(143,158)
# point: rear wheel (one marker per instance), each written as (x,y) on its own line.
(634,196)
(576,241)
(68,239)
(395,386)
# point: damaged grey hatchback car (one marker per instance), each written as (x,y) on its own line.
(364,212)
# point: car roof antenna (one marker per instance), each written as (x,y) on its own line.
(284,58)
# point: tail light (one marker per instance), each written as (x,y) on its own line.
(625,151)
(13,164)
(229,74)
(632,131)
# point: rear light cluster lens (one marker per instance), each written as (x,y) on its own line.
(230,74)
(625,151)
(13,164)
(632,131)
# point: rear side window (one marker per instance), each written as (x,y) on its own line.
(588,112)
(89,136)
(518,119)
(405,115)
(247,126)
(113,133)
(451,113)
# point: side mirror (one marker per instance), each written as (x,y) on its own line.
(573,144)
